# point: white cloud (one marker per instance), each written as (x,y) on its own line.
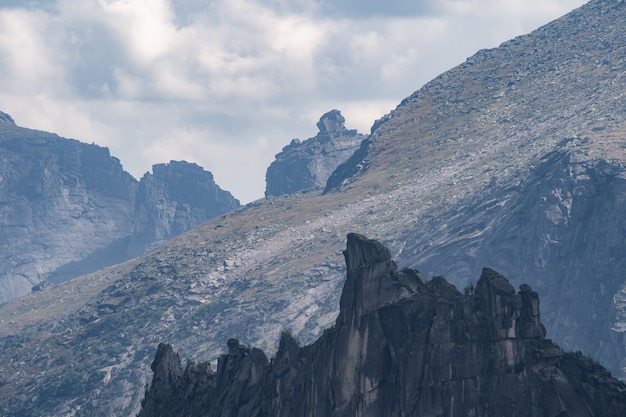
(228,83)
(145,26)
(31,60)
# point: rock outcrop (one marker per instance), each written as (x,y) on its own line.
(560,232)
(307,165)
(5,118)
(174,198)
(401,346)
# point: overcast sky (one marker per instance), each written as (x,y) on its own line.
(228,83)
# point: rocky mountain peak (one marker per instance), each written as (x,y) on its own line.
(166,365)
(173,199)
(332,124)
(373,280)
(429,351)
(68,208)
(306,165)
(60,201)
(511,315)
(169,377)
(362,252)
(6,118)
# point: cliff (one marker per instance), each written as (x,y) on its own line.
(68,208)
(172,199)
(307,165)
(60,201)
(401,346)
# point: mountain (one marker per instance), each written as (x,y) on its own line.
(60,201)
(401,346)
(68,208)
(302,166)
(174,198)
(513,160)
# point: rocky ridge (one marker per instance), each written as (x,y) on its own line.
(307,165)
(401,346)
(174,198)
(60,200)
(455,164)
(5,118)
(68,208)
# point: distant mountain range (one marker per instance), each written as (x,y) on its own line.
(402,346)
(512,160)
(68,208)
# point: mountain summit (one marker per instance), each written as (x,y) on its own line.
(302,166)
(172,199)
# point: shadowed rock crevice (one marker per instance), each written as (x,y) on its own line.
(404,346)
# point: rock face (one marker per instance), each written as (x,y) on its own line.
(306,165)
(68,208)
(401,346)
(60,201)
(194,386)
(562,224)
(174,198)
(5,118)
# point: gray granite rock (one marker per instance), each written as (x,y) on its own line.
(68,208)
(306,165)
(60,201)
(172,199)
(403,351)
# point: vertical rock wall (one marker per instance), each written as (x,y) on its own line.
(404,346)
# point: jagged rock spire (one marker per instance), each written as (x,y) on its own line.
(405,347)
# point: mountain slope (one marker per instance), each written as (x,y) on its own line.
(509,160)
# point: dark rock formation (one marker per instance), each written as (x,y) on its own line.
(402,346)
(306,165)
(174,198)
(560,233)
(194,386)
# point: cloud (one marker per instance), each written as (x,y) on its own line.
(370,8)
(228,83)
(27,61)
